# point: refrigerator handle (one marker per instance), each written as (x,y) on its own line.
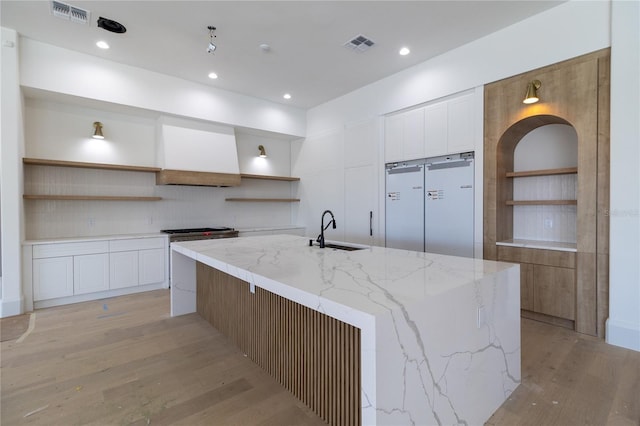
(371,223)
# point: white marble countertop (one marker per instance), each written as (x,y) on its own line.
(366,280)
(95,238)
(440,335)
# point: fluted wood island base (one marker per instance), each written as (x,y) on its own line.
(314,356)
(374,336)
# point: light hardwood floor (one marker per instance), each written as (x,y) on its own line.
(125,361)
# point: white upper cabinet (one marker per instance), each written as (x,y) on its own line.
(440,128)
(393,137)
(404,136)
(460,124)
(435,129)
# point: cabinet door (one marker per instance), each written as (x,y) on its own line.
(393,137)
(359,202)
(526,286)
(123,269)
(151,266)
(413,141)
(554,291)
(52,278)
(460,125)
(90,273)
(435,130)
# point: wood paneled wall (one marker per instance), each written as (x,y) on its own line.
(574,92)
(314,356)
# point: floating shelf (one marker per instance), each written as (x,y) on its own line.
(265,200)
(102,166)
(548,172)
(541,202)
(89,197)
(267,177)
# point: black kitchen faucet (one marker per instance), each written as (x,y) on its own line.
(323,228)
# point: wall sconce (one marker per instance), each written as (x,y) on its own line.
(263,153)
(532,92)
(97,133)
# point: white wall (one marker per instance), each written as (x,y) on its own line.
(571,29)
(62,131)
(11,152)
(87,76)
(623,326)
(566,31)
(115,90)
(59,130)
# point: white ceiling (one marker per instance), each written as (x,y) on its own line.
(307,57)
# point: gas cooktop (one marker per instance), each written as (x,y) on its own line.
(195,230)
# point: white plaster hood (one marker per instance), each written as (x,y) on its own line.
(196,153)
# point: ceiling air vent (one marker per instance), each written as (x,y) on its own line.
(359,43)
(71,13)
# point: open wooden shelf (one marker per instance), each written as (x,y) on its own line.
(541,202)
(103,166)
(265,200)
(89,197)
(548,172)
(267,177)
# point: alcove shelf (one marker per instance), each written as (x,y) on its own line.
(267,177)
(265,200)
(541,202)
(548,172)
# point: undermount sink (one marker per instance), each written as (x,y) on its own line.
(340,247)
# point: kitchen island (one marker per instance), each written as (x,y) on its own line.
(437,337)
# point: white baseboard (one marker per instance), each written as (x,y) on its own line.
(9,308)
(623,333)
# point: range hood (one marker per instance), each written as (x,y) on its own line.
(195,153)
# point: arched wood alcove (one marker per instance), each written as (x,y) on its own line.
(561,284)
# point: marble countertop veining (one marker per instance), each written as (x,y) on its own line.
(439,335)
(367,280)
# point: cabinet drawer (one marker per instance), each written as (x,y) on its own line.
(563,259)
(69,249)
(137,244)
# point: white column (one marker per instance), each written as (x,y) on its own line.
(623,325)
(11,151)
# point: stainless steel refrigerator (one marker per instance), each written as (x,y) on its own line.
(430,205)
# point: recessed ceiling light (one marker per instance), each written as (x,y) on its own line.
(286,96)
(404,51)
(213,75)
(102,44)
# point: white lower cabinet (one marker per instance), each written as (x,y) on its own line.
(123,269)
(151,266)
(52,277)
(90,273)
(64,270)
